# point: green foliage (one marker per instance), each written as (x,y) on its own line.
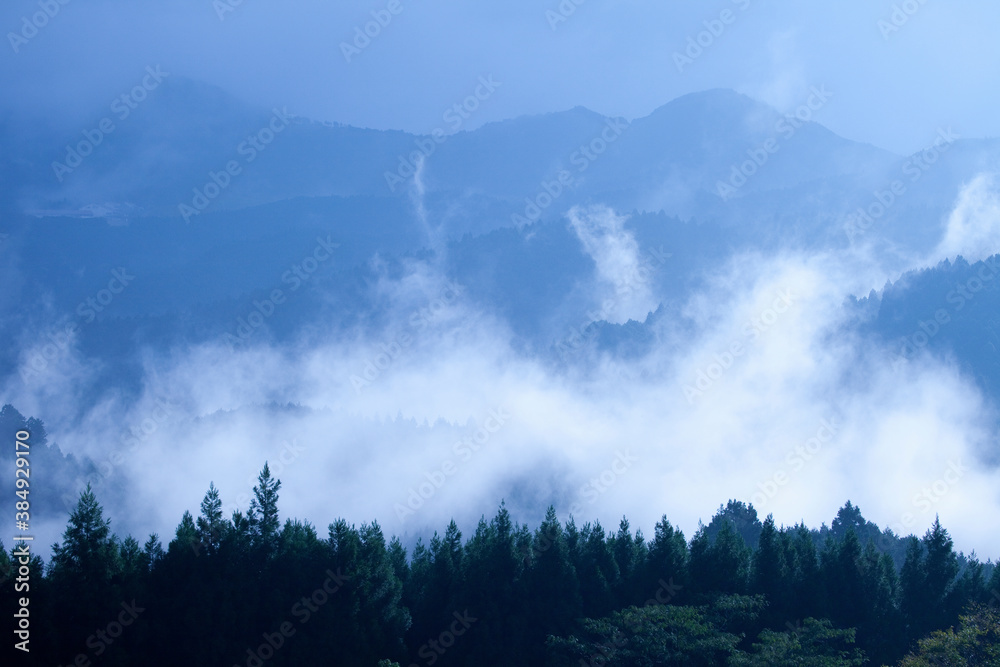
(510,595)
(645,636)
(722,566)
(975,644)
(814,644)
(741,517)
(88,553)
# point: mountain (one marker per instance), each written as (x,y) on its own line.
(951,310)
(171,144)
(490,204)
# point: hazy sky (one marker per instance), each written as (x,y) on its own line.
(892,88)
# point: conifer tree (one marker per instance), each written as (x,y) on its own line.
(770,573)
(82,569)
(666,561)
(630,552)
(597,570)
(721,567)
(211,525)
(553,588)
(940,570)
(807,585)
(88,554)
(263,513)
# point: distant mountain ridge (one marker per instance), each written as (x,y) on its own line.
(186,130)
(492,200)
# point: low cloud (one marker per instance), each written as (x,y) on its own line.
(973,228)
(754,389)
(623,290)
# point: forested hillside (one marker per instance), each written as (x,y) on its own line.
(249,590)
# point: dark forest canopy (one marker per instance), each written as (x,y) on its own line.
(248,590)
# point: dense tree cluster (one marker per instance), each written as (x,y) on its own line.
(248,590)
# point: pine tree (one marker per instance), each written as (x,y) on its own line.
(770,574)
(741,517)
(496,557)
(553,589)
(630,553)
(130,556)
(397,557)
(82,569)
(940,570)
(382,619)
(993,594)
(263,514)
(211,525)
(913,590)
(597,571)
(848,518)
(666,561)
(185,538)
(807,585)
(880,627)
(88,552)
(152,551)
(842,576)
(721,567)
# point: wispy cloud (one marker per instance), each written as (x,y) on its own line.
(622,277)
(973,228)
(357,452)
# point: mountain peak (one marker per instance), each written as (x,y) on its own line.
(711,105)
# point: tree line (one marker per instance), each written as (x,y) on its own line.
(249,590)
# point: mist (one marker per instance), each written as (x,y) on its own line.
(755,389)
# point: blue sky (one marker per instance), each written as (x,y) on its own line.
(893,87)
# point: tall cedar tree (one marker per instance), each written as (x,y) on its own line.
(227,586)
